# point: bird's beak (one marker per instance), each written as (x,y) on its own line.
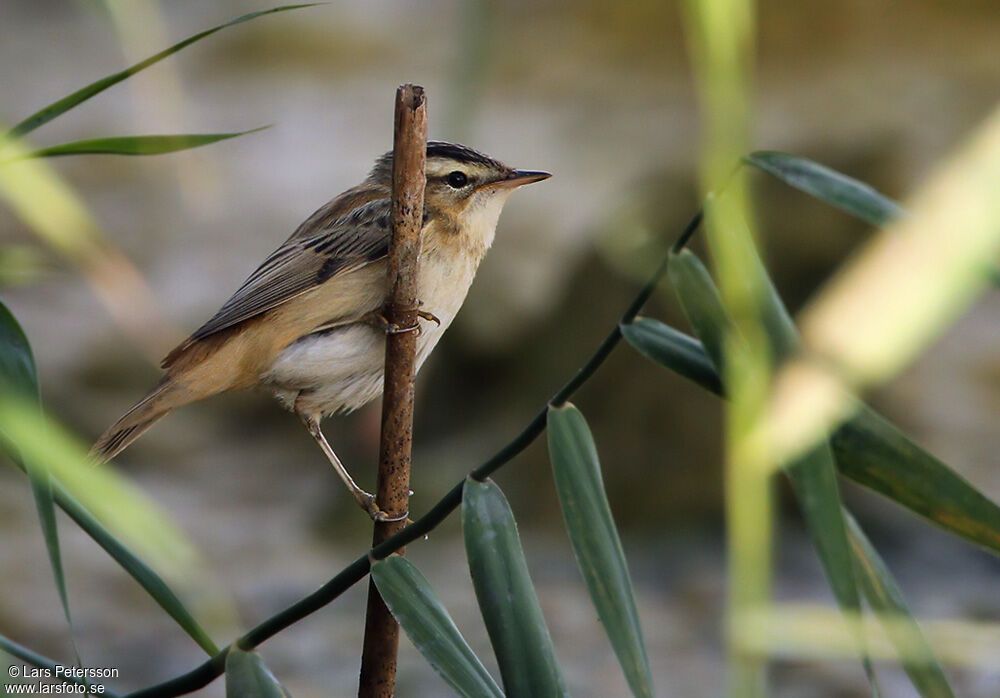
(518,177)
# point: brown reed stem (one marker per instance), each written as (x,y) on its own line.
(381,643)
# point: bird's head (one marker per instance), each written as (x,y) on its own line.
(462,181)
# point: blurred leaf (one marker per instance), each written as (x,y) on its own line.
(63,105)
(890,607)
(520,638)
(813,475)
(247,677)
(137,145)
(21,264)
(814,480)
(873,452)
(598,549)
(142,573)
(17,367)
(876,315)
(41,198)
(673,349)
(421,614)
(115,502)
(19,375)
(839,190)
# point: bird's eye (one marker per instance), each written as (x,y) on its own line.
(457,180)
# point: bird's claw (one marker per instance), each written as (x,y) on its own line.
(393,328)
(379,321)
(430,317)
(367,502)
(385,518)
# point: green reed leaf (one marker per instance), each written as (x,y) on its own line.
(595,540)
(886,600)
(421,614)
(674,349)
(17,368)
(507,600)
(248,677)
(137,145)
(63,105)
(875,453)
(17,362)
(839,190)
(701,303)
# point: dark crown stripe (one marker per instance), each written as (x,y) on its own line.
(459,153)
(440,149)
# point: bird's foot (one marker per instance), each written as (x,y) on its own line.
(377,320)
(367,502)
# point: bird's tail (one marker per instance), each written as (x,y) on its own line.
(164,398)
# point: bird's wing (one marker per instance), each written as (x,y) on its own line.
(306,261)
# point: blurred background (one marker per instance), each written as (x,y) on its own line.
(600,94)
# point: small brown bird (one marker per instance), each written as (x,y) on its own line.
(307,324)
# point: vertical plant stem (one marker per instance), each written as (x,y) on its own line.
(721,37)
(381,643)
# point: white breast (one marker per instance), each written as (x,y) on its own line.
(341,369)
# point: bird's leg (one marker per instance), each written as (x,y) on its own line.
(365,500)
